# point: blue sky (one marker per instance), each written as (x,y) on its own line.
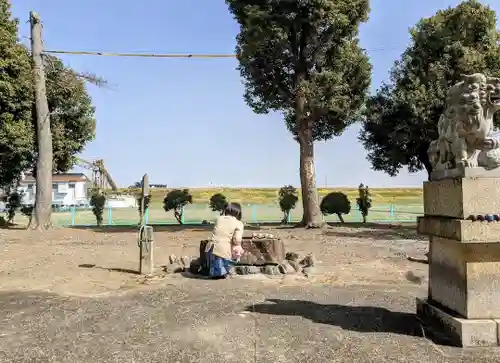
(171,117)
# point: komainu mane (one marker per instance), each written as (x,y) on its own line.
(466,126)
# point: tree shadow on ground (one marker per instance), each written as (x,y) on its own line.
(156,228)
(375,231)
(363,319)
(113,269)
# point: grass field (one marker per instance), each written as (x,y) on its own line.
(259,205)
(401,196)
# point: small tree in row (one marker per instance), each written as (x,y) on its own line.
(287,200)
(97,202)
(176,200)
(336,203)
(13,202)
(364,201)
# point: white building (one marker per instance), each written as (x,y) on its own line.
(68,189)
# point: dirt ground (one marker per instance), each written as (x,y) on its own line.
(358,306)
(58,261)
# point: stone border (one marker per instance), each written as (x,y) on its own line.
(467,173)
(461,332)
(459,230)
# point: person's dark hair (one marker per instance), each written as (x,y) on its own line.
(233,209)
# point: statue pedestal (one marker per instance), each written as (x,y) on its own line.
(464,260)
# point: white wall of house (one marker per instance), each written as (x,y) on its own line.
(63,193)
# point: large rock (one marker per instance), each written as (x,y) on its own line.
(258,251)
(263,251)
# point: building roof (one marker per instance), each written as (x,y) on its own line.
(59,178)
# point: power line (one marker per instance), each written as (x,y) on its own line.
(145,55)
(159,55)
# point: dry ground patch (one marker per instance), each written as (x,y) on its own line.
(57,261)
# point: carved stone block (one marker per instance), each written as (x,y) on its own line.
(263,251)
(460,198)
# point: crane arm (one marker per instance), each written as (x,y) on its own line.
(104,172)
(110,181)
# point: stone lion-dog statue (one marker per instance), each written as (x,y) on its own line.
(466,128)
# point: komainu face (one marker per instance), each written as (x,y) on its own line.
(472,95)
(493,90)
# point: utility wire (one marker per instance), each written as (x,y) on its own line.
(145,55)
(157,55)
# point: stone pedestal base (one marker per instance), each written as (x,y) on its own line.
(459,332)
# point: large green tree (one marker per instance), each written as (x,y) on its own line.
(302,58)
(16,131)
(72,113)
(401,118)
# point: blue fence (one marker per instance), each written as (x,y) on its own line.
(256,213)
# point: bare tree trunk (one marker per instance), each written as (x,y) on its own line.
(41,218)
(423,157)
(312,217)
(178,215)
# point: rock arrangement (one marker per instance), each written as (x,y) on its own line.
(291,265)
(178,264)
(264,254)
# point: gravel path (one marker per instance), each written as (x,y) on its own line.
(223,321)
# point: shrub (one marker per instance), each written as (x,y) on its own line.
(97,202)
(147,200)
(218,202)
(287,200)
(176,200)
(336,203)
(364,201)
(12,204)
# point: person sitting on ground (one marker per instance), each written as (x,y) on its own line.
(224,249)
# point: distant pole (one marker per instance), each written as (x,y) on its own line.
(43,202)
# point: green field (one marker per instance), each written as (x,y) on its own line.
(259,205)
(405,196)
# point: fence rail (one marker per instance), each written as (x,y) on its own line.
(253,213)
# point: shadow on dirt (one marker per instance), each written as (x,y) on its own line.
(113,269)
(157,228)
(363,319)
(375,231)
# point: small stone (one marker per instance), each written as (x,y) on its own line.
(185,261)
(173,268)
(472,218)
(286,268)
(496,217)
(308,271)
(308,260)
(295,265)
(270,270)
(252,270)
(241,270)
(480,217)
(195,266)
(292,256)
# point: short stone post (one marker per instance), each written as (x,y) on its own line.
(146,248)
(461,210)
(146,236)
